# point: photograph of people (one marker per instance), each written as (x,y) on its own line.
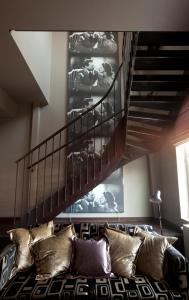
(91,74)
(106,197)
(105,75)
(93,42)
(93,63)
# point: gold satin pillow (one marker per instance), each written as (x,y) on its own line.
(41,232)
(23,238)
(151,255)
(140,232)
(53,255)
(123,251)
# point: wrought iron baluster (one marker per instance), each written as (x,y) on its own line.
(87,181)
(58,192)
(52,166)
(15,198)
(73,166)
(65,177)
(29,186)
(80,158)
(44,181)
(36,196)
(23,191)
(114,118)
(101,137)
(94,148)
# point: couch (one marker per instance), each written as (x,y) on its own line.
(65,286)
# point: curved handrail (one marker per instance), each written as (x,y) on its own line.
(76,138)
(32,189)
(75,119)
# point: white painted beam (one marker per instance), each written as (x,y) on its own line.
(8,107)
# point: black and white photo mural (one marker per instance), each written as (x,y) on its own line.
(107,197)
(93,63)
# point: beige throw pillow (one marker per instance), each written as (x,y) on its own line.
(53,255)
(123,251)
(23,238)
(146,234)
(151,255)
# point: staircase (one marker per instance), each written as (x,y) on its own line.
(63,168)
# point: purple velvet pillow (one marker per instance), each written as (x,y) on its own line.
(91,258)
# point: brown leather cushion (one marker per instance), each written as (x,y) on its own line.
(23,238)
(151,255)
(123,251)
(53,254)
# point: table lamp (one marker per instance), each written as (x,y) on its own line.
(156,199)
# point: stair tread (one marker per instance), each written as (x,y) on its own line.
(162,78)
(159,86)
(162,53)
(164,106)
(156,98)
(143,130)
(163,38)
(161,63)
(150,116)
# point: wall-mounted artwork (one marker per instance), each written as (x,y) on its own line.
(107,197)
(93,42)
(93,62)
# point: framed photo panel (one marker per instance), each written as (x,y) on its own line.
(93,62)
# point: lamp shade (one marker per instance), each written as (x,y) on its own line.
(156,198)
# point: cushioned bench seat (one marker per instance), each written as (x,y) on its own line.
(65,286)
(24,286)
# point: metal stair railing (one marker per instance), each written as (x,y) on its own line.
(70,157)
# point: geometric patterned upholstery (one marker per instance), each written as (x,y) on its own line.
(24,286)
(64,286)
(95,230)
(6,263)
(176,271)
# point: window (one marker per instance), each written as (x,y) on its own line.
(182,152)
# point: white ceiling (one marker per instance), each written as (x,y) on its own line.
(17,83)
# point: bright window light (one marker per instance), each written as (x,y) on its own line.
(182,152)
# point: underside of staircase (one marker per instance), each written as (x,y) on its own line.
(155,76)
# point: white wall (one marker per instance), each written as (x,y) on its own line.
(186,240)
(14,134)
(14,142)
(136,193)
(36,50)
(50,118)
(169,182)
(164,177)
(137,189)
(95,15)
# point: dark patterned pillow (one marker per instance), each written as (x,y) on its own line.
(91,258)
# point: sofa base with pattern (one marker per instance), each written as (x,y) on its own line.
(66,286)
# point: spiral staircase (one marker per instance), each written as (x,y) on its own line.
(152,78)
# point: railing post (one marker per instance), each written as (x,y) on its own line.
(80,158)
(101,145)
(87,167)
(29,187)
(94,149)
(58,192)
(52,166)
(73,161)
(44,182)
(23,191)
(37,183)
(15,197)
